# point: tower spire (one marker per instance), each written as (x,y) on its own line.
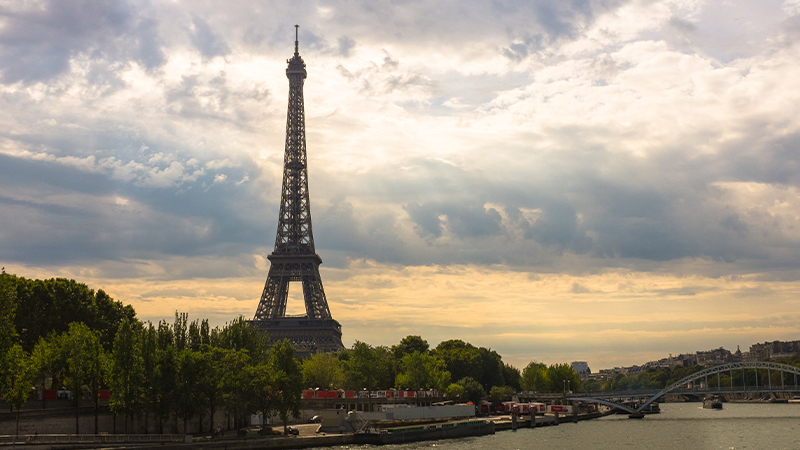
(296,40)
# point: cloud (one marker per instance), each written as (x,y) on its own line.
(534,140)
(205,40)
(40,40)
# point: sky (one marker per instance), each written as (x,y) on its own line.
(608,181)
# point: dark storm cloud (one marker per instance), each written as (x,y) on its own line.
(558,226)
(195,217)
(39,40)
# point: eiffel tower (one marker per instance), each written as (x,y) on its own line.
(294,257)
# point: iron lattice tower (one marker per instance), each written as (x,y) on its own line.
(294,257)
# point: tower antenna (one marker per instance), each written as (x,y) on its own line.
(296,35)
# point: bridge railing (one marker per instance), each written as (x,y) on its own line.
(89,438)
(688,390)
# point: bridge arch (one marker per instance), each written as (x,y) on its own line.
(729,367)
(722,368)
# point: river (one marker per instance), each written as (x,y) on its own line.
(679,426)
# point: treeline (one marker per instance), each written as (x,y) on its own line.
(164,372)
(456,368)
(538,377)
(87,342)
(33,309)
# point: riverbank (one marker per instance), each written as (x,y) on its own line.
(489,426)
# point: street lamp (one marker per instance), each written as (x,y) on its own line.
(565,387)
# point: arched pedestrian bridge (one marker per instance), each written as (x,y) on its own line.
(688,385)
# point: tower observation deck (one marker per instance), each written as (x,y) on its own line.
(294,258)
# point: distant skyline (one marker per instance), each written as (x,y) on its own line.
(600,181)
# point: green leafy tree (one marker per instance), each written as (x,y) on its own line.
(189,401)
(562,377)
(534,378)
(366,367)
(49,306)
(18,381)
(212,379)
(97,376)
(473,391)
(165,376)
(235,384)
(454,390)
(286,381)
(43,360)
(322,370)
(422,371)
(80,350)
(500,394)
(491,368)
(591,386)
(262,391)
(8,308)
(512,376)
(149,344)
(461,358)
(409,345)
(127,371)
(180,331)
(239,335)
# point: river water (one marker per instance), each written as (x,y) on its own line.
(679,426)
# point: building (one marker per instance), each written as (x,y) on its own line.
(581,368)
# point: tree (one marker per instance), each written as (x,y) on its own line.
(534,377)
(422,371)
(491,368)
(43,359)
(49,306)
(127,371)
(473,391)
(366,367)
(210,384)
(8,307)
(286,381)
(500,393)
(189,401)
(461,358)
(239,335)
(98,368)
(409,345)
(563,377)
(80,350)
(455,390)
(591,386)
(165,377)
(512,376)
(322,370)
(18,380)
(235,384)
(149,344)
(262,391)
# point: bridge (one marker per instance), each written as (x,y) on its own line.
(688,384)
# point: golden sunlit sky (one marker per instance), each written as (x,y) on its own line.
(608,181)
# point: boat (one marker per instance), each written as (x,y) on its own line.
(713,402)
(425,432)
